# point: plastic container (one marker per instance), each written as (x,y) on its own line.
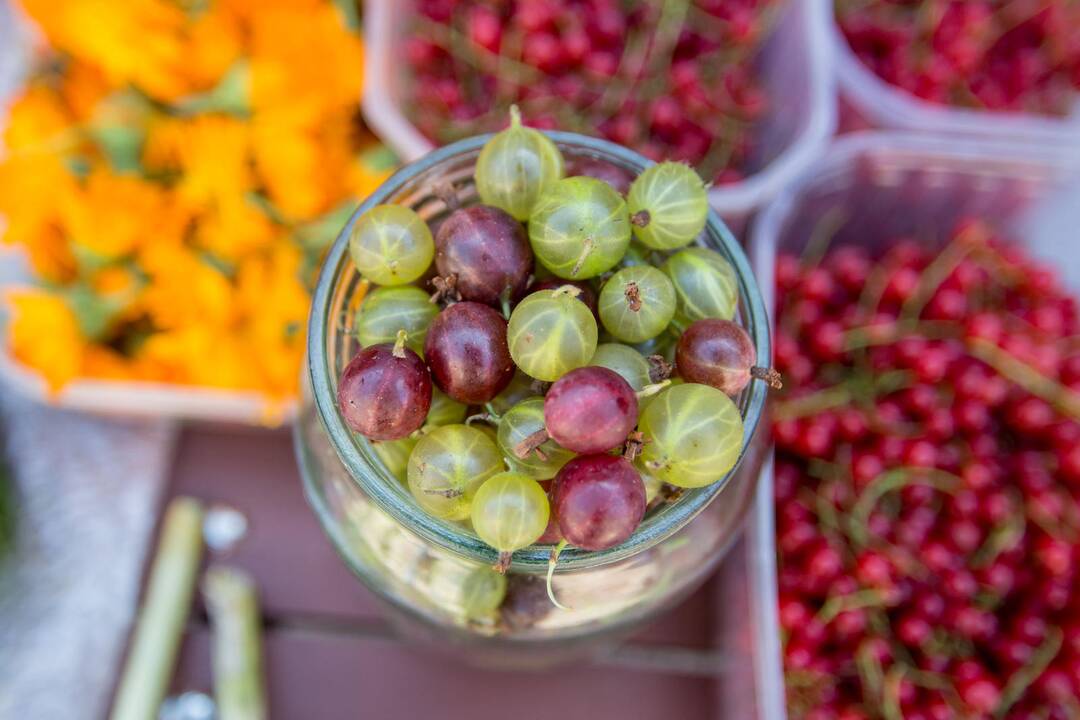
(886,185)
(882,105)
(105,397)
(795,64)
(420,565)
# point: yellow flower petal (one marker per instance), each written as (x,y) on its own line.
(44,335)
(112,215)
(136,41)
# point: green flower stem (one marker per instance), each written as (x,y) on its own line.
(233,606)
(160,623)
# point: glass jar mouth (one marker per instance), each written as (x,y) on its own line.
(364,467)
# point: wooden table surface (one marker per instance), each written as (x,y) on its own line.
(330,654)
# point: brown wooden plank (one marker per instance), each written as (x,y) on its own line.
(285,549)
(330,678)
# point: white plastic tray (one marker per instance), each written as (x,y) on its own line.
(795,64)
(890,185)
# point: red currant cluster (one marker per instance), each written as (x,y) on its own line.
(927,483)
(673,80)
(995,54)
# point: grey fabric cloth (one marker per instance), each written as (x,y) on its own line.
(88,489)
(87,492)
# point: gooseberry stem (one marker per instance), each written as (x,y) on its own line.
(448,493)
(552,561)
(587,247)
(445,290)
(481,417)
(641,218)
(446,192)
(399,344)
(659,368)
(652,389)
(571,290)
(503,563)
(530,443)
(515,116)
(769,376)
(635,441)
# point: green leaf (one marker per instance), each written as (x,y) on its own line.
(231,95)
(319,233)
(93,312)
(119,128)
(379,157)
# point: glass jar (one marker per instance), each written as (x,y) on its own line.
(436,576)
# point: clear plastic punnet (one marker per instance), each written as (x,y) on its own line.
(795,64)
(886,106)
(883,186)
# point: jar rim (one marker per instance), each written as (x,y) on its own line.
(367,471)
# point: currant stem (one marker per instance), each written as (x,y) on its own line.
(1060,397)
(769,376)
(399,344)
(552,561)
(641,218)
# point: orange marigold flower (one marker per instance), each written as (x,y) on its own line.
(104,363)
(303,167)
(247,10)
(44,335)
(82,86)
(185,290)
(31,187)
(210,150)
(111,215)
(212,43)
(34,178)
(136,41)
(305,58)
(38,122)
(234,229)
